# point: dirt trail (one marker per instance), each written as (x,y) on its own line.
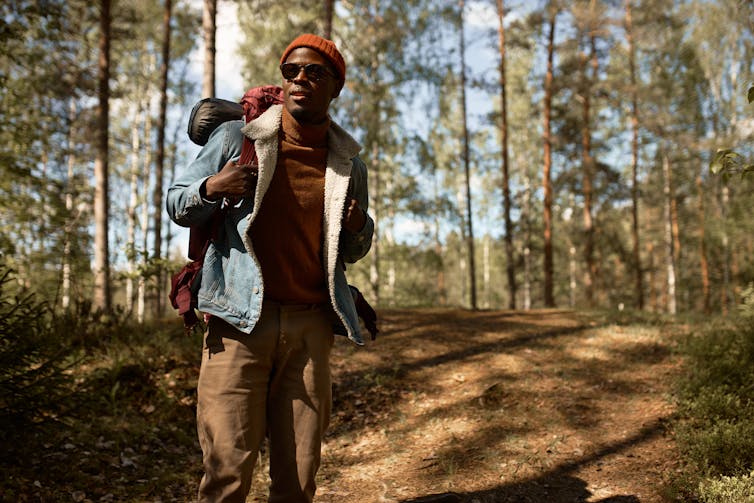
(497,406)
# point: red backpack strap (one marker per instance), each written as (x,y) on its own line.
(248,153)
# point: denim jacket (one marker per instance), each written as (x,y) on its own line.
(232,286)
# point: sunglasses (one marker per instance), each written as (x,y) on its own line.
(313,71)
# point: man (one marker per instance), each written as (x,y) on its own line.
(273,281)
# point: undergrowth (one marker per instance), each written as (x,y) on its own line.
(95,407)
(715,431)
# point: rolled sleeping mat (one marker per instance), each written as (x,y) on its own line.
(208,114)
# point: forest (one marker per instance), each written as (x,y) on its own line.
(524,157)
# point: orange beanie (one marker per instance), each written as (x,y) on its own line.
(323,46)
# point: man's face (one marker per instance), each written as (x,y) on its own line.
(306,98)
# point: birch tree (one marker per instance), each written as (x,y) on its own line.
(668,235)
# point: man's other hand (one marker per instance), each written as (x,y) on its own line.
(353,217)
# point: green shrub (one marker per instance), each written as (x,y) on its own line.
(721,357)
(33,382)
(727,489)
(716,408)
(719,447)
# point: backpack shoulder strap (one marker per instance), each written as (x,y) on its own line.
(248,152)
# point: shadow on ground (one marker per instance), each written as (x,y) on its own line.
(555,486)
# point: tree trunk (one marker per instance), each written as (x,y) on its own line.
(676,227)
(209,17)
(652,277)
(147,173)
(390,244)
(65,300)
(638,279)
(133,204)
(572,276)
(725,241)
(486,271)
(160,154)
(572,265)
(466,167)
(549,298)
(375,209)
(525,216)
(588,173)
(704,264)
(102,297)
(442,293)
(509,254)
(669,242)
(329,12)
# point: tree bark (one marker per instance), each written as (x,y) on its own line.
(588,171)
(525,216)
(389,244)
(102,296)
(160,154)
(209,27)
(486,271)
(65,300)
(509,253)
(676,226)
(572,265)
(146,174)
(466,166)
(652,277)
(549,298)
(669,242)
(725,241)
(442,293)
(375,183)
(329,12)
(133,203)
(638,274)
(376,211)
(704,264)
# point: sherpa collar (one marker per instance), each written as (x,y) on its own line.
(268,124)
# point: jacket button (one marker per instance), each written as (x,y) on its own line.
(256,290)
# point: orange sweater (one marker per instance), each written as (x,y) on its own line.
(287,232)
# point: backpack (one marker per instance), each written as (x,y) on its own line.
(205,117)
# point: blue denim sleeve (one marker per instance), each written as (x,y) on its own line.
(354,246)
(184,203)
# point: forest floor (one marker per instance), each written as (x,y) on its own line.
(543,406)
(448,405)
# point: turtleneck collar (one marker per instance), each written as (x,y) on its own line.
(309,135)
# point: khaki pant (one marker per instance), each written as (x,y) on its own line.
(275,380)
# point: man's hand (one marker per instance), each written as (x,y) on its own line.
(233,181)
(353,216)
